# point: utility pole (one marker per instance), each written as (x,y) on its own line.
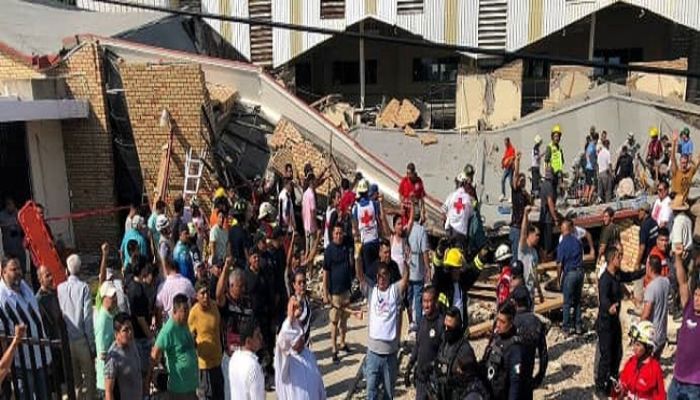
(362,66)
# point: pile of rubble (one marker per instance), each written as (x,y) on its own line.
(403,115)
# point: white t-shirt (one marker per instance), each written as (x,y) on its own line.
(682,232)
(662,213)
(383,310)
(220,238)
(246,377)
(286,209)
(327,227)
(458,208)
(603,160)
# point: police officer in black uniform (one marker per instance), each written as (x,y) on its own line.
(503,358)
(533,337)
(428,340)
(456,372)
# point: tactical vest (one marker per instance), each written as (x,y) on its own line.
(497,368)
(556,160)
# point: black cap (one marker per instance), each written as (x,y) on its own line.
(517,269)
(521,296)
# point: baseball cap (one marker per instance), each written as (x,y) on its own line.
(108,289)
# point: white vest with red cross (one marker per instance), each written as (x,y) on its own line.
(367,222)
(458,208)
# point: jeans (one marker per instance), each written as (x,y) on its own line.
(84,375)
(422,390)
(571,288)
(507,175)
(683,391)
(605,186)
(514,237)
(415,300)
(380,368)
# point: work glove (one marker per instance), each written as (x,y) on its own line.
(408,375)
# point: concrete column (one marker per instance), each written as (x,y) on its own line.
(362,65)
(591,37)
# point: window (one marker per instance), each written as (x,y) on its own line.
(348,72)
(409,6)
(435,69)
(616,56)
(536,69)
(332,9)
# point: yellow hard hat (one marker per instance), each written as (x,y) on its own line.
(653,131)
(556,129)
(219,192)
(454,258)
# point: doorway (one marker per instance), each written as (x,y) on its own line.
(14,164)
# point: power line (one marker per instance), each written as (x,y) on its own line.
(508,55)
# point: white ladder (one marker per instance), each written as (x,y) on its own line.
(193,174)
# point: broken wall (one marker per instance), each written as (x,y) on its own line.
(670,87)
(567,81)
(494,98)
(181,90)
(290,147)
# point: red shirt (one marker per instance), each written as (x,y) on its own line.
(408,189)
(508,157)
(346,201)
(656,251)
(645,383)
(654,150)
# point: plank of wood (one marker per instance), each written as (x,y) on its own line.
(551,302)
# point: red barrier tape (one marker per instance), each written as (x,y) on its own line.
(91,213)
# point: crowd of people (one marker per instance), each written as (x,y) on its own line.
(218,307)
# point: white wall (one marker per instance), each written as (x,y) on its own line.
(48,175)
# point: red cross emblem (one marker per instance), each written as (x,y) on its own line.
(459,206)
(366,217)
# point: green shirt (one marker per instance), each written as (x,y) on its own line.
(104,336)
(177,343)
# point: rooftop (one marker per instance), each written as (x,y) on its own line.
(38,27)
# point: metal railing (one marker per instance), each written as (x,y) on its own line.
(25,370)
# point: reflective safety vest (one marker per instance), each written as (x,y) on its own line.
(556,160)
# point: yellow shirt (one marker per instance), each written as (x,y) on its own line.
(204,326)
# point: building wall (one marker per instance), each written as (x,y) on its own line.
(445,21)
(88,167)
(10,68)
(566,81)
(88,150)
(532,20)
(394,70)
(48,175)
(672,87)
(493,97)
(180,89)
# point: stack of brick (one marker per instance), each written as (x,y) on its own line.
(629,235)
(398,114)
(181,90)
(290,147)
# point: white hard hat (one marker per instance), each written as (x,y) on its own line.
(265,210)
(503,252)
(162,222)
(108,289)
(538,139)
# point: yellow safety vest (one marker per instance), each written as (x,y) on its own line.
(556,160)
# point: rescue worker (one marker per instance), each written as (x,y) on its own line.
(554,158)
(503,358)
(453,277)
(642,376)
(366,226)
(655,152)
(456,373)
(469,172)
(428,341)
(533,336)
(457,210)
(503,258)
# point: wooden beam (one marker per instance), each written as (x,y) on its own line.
(551,302)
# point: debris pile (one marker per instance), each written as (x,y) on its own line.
(404,115)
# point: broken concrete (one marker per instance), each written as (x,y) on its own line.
(670,87)
(567,81)
(387,118)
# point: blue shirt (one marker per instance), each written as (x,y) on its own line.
(183,260)
(76,306)
(686,148)
(570,253)
(132,234)
(590,156)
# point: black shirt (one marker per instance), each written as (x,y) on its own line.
(233,314)
(533,337)
(51,314)
(520,201)
(238,240)
(259,287)
(139,305)
(624,167)
(648,232)
(610,292)
(428,342)
(336,262)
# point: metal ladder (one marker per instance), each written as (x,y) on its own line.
(193,174)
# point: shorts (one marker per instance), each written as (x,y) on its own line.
(590,176)
(339,302)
